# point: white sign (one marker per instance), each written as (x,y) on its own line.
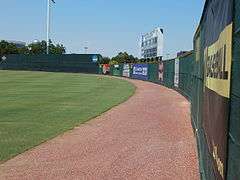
(4,58)
(160,71)
(176,76)
(140,71)
(94,58)
(126,70)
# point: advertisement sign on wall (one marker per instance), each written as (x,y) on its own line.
(126,70)
(176,75)
(94,58)
(160,71)
(116,70)
(217,58)
(140,71)
(106,68)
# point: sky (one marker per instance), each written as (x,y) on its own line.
(105,26)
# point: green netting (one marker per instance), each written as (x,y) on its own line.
(116,70)
(186,76)
(191,86)
(100,69)
(234,144)
(169,71)
(63,63)
(206,165)
(153,72)
(234,125)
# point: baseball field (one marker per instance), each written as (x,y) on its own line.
(38,106)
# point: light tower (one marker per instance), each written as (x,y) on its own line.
(48,22)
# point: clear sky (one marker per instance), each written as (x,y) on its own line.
(105,26)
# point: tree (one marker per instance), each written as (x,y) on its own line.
(124,57)
(37,48)
(41,48)
(33,48)
(105,60)
(8,48)
(58,49)
(23,50)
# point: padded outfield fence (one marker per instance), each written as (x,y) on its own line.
(209,77)
(83,63)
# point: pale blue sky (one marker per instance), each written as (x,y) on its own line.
(106,26)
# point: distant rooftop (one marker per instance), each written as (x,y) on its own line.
(17,43)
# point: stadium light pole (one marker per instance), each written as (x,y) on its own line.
(48,22)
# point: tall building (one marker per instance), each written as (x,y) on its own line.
(152,44)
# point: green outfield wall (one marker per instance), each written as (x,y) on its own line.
(84,63)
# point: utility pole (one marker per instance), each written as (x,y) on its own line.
(48,22)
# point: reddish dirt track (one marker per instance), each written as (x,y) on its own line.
(148,137)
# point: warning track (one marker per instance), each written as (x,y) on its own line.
(148,137)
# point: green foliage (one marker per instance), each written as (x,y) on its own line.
(58,49)
(33,48)
(124,57)
(23,50)
(105,60)
(37,106)
(8,48)
(38,48)
(41,48)
(112,62)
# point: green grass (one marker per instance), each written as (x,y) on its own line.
(37,106)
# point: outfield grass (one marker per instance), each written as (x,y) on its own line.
(37,106)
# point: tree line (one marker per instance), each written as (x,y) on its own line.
(38,48)
(7,48)
(124,57)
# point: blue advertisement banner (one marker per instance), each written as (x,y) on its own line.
(140,71)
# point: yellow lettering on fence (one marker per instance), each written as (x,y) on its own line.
(218,61)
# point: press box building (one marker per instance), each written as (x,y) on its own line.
(151,44)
